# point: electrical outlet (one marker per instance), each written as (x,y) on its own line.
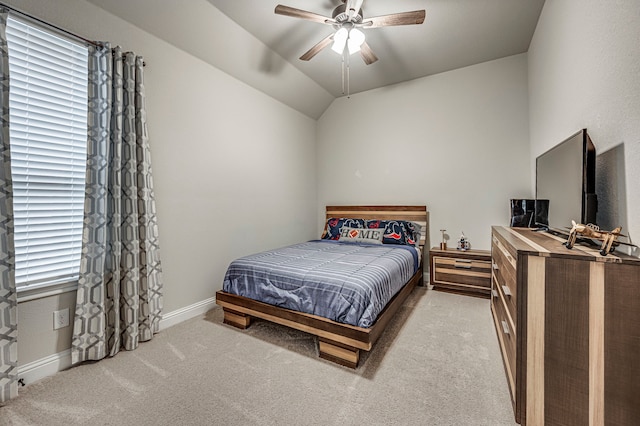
(60,318)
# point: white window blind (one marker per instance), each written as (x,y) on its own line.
(48,136)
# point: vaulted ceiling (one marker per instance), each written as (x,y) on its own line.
(247,39)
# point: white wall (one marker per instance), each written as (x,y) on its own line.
(200,29)
(457,142)
(229,164)
(584,68)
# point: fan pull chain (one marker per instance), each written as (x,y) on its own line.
(348,79)
(348,76)
(343,73)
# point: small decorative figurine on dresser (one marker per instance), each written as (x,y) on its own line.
(609,239)
(463,243)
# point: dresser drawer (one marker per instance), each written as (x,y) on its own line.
(462,271)
(505,277)
(506,337)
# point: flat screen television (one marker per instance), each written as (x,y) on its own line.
(566,176)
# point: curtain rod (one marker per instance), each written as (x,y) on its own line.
(48,24)
(57,28)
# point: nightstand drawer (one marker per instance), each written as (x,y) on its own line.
(462,271)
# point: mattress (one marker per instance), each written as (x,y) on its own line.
(350,283)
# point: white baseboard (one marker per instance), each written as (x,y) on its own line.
(50,365)
(188,312)
(44,367)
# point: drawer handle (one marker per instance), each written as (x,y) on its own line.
(505,327)
(466,264)
(506,290)
(494,293)
(495,266)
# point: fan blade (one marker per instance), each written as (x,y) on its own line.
(303,14)
(317,48)
(367,54)
(403,18)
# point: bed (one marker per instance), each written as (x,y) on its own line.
(341,334)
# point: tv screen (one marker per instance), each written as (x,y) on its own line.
(565,175)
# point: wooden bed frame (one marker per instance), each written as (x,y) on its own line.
(337,342)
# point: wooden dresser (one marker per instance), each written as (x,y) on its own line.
(568,325)
(466,271)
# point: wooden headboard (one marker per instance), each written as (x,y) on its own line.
(417,214)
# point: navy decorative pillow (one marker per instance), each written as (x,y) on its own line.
(397,231)
(394,233)
(334,225)
(414,231)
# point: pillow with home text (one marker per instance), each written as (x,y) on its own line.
(359,235)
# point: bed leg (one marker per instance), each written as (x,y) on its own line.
(338,352)
(236,319)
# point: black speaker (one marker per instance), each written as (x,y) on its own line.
(529,213)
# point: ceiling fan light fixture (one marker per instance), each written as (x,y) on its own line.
(340,40)
(346,17)
(356,38)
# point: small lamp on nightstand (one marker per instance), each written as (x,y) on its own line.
(443,243)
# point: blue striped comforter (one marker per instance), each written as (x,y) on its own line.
(349,283)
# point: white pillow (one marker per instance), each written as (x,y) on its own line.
(360,235)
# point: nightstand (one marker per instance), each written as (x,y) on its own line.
(460,271)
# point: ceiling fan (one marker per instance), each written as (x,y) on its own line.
(347,19)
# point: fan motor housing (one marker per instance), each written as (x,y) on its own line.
(340,15)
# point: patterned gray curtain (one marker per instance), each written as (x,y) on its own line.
(8,301)
(119,301)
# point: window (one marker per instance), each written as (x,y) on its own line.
(48,136)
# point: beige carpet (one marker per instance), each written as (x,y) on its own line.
(437,364)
